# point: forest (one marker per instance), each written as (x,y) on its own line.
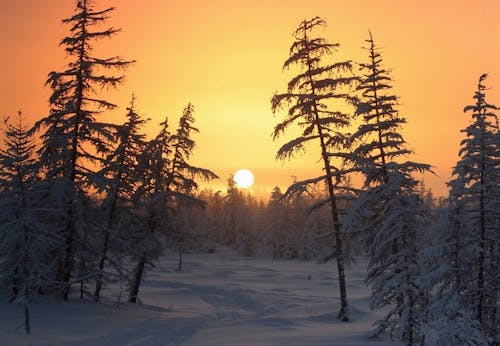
(87,203)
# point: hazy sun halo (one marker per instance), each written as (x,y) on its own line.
(243,178)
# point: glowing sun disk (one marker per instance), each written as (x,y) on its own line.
(243,178)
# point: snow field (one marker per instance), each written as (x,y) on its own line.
(219,299)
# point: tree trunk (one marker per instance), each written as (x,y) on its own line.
(134,289)
(67,265)
(83,265)
(98,284)
(180,256)
(15,283)
(343,314)
(482,247)
(27,319)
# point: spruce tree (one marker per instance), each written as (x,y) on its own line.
(450,317)
(26,235)
(479,170)
(149,209)
(73,139)
(307,99)
(182,175)
(466,273)
(168,181)
(121,176)
(276,233)
(233,213)
(389,212)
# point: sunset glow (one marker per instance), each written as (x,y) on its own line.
(226,58)
(243,178)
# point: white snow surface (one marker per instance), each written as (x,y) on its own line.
(218,299)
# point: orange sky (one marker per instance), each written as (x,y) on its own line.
(225,57)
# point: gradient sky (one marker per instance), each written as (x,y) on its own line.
(225,56)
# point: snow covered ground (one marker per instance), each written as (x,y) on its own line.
(218,299)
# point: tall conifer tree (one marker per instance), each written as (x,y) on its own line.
(121,176)
(26,235)
(470,240)
(73,139)
(168,179)
(389,211)
(308,99)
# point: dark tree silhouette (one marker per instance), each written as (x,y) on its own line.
(168,180)
(121,176)
(73,140)
(389,211)
(307,98)
(26,235)
(474,201)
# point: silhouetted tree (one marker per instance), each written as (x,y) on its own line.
(73,140)
(465,260)
(181,182)
(477,184)
(121,176)
(149,207)
(308,95)
(26,237)
(277,220)
(168,180)
(389,211)
(182,175)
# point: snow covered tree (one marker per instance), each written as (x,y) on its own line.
(450,318)
(389,211)
(478,171)
(182,175)
(168,180)
(308,97)
(73,140)
(26,238)
(181,181)
(233,213)
(212,216)
(149,213)
(466,275)
(121,176)
(394,268)
(381,120)
(278,229)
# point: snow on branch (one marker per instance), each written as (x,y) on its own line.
(289,149)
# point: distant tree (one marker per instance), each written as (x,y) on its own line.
(73,140)
(465,261)
(212,215)
(26,238)
(389,211)
(297,232)
(277,231)
(121,176)
(248,239)
(317,85)
(233,213)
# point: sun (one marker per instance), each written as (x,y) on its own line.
(243,178)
